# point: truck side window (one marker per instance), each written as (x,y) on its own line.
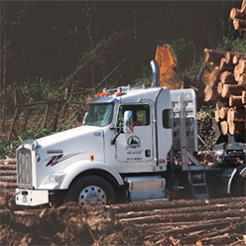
(141,114)
(167,118)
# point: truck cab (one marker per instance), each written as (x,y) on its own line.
(125,151)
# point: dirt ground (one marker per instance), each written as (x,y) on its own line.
(69,224)
(219,221)
(207,222)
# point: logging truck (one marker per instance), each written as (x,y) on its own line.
(135,144)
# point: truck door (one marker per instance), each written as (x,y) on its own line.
(137,148)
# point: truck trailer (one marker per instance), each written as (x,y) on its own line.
(136,143)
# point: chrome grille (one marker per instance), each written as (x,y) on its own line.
(24,167)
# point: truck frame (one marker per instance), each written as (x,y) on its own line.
(135,144)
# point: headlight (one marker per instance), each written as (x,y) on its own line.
(31,142)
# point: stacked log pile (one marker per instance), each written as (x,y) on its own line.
(239,17)
(183,222)
(8,176)
(187,222)
(226,86)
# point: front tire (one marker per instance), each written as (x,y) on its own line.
(91,190)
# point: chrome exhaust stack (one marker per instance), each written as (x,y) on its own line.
(155,73)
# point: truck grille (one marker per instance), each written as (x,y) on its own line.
(24,167)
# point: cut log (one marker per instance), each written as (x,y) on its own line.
(229,89)
(244,97)
(217,115)
(219,87)
(242,66)
(208,94)
(211,93)
(235,101)
(236,115)
(213,56)
(223,66)
(242,80)
(222,102)
(236,128)
(224,127)
(181,217)
(230,55)
(236,72)
(237,14)
(239,24)
(237,57)
(223,113)
(214,77)
(243,7)
(227,77)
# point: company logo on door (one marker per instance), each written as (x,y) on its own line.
(133,142)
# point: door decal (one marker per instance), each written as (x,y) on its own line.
(133,142)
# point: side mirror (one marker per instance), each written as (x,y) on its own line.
(85,118)
(128,122)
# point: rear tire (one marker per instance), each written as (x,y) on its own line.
(239,183)
(91,190)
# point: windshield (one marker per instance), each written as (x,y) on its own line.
(99,114)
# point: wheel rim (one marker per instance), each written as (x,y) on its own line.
(92,195)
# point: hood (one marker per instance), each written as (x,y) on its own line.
(68,136)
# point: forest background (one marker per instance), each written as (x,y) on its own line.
(54,54)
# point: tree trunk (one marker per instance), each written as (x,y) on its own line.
(3,87)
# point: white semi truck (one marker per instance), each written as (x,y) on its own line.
(135,144)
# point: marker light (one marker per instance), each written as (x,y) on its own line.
(102,94)
(91,157)
(117,94)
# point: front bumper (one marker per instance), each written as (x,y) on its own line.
(27,197)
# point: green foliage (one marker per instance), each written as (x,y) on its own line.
(144,78)
(236,44)
(28,134)
(7,148)
(181,46)
(66,126)
(205,127)
(40,89)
